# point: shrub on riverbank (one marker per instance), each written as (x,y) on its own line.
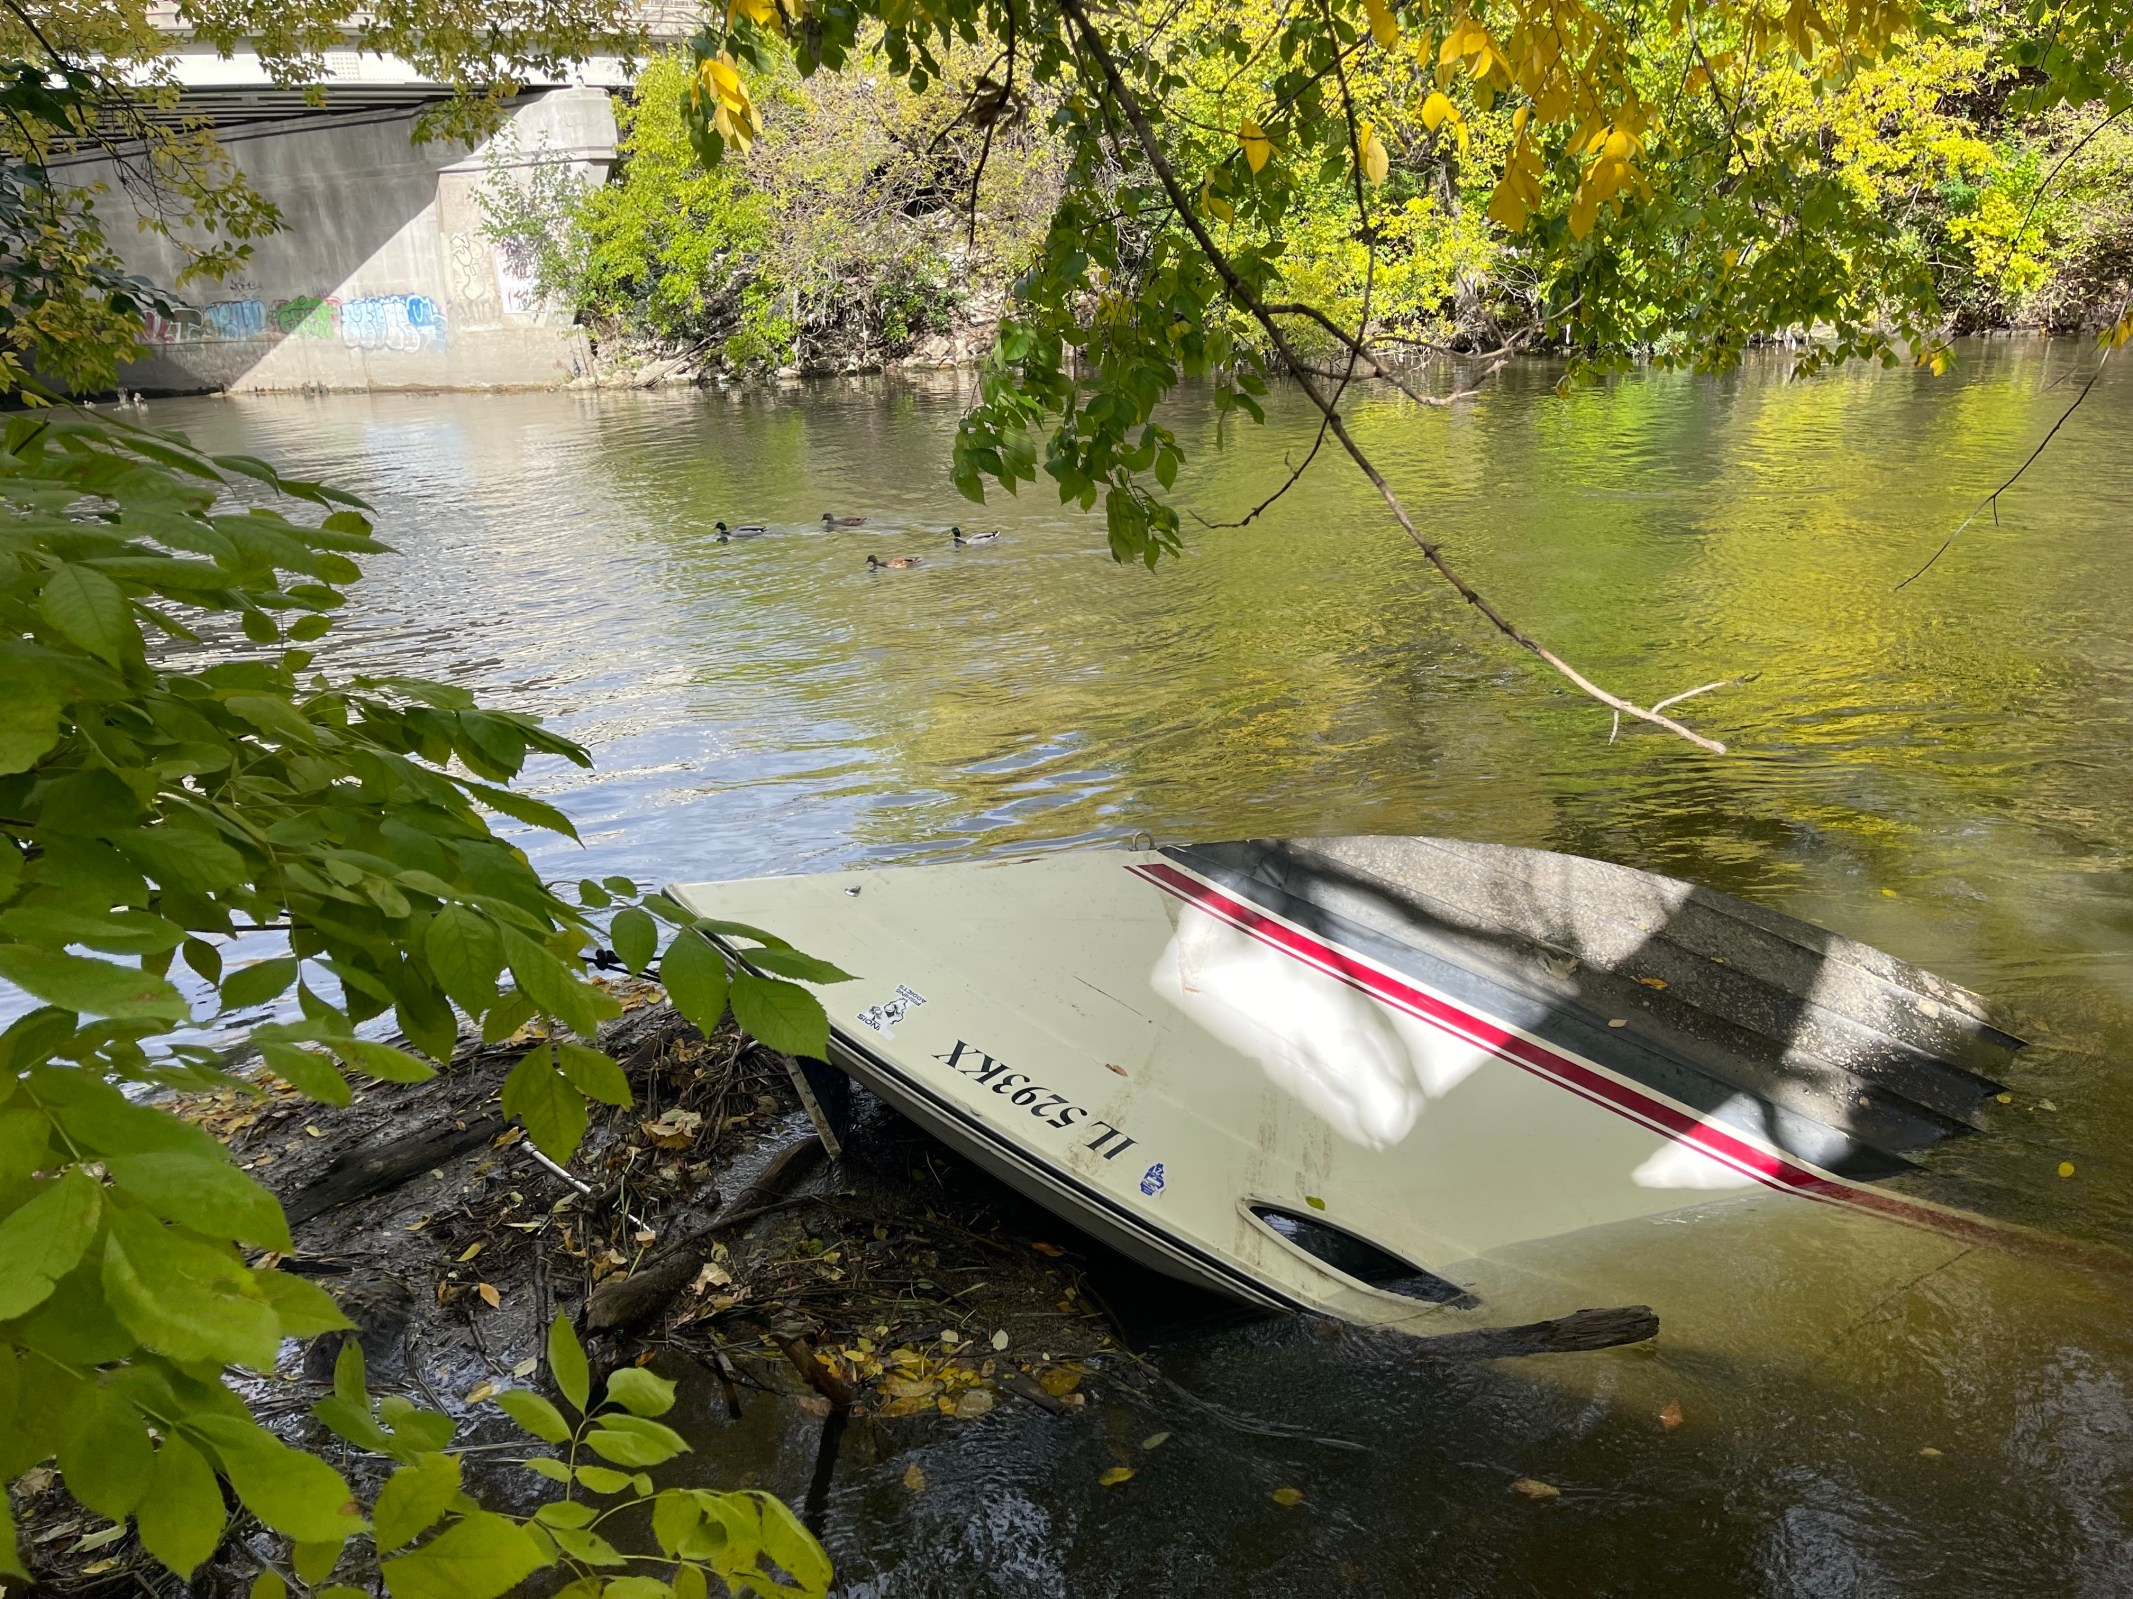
(844,234)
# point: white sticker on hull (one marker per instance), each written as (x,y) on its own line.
(886,1015)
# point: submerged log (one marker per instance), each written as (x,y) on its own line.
(363,1172)
(624,1302)
(1575,1333)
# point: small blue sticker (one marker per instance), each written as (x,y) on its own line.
(1152,1180)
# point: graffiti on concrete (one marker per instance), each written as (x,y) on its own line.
(307,316)
(394,323)
(402,323)
(473,280)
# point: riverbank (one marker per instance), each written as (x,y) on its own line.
(701,1231)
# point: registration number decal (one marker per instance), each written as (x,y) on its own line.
(1052,1108)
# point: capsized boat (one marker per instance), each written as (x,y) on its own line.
(1335,1074)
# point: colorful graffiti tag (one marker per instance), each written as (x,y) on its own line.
(396,323)
(399,322)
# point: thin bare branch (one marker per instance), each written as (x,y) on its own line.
(1151,147)
(1993,499)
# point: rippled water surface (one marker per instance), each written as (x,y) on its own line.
(1943,771)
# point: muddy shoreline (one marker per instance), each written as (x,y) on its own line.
(895,1284)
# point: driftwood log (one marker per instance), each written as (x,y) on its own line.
(363,1172)
(621,1303)
(1575,1333)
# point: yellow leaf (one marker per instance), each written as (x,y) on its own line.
(1534,1488)
(1115,1476)
(2066,1168)
(473,1249)
(1214,204)
(489,1295)
(1257,147)
(481,1391)
(1437,109)
(1155,1440)
(1383,26)
(1288,1498)
(1376,162)
(914,1479)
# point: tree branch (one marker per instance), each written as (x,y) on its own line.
(1144,134)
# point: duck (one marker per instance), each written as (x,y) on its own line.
(896,563)
(961,537)
(829,520)
(747,530)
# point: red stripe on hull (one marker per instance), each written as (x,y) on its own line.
(1587,1080)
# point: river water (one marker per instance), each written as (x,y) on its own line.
(1942,771)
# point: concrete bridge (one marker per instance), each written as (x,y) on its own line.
(382,277)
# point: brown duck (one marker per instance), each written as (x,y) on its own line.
(895,564)
(829,520)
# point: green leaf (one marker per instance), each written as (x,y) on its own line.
(791,963)
(466,954)
(547,1466)
(535,1414)
(635,937)
(90,610)
(712,927)
(604,1479)
(588,1548)
(180,1520)
(259,982)
(787,1541)
(10,1555)
(539,1096)
(566,1362)
(781,1015)
(634,1441)
(291,1491)
(98,988)
(637,1588)
(674,1513)
(104,1452)
(121,932)
(510,1012)
(413,1499)
(269,1585)
(479,1556)
(565,1513)
(304,1309)
(209,1196)
(314,1562)
(369,1056)
(186,1299)
(593,1074)
(42,1240)
(640,1392)
(554,987)
(522,809)
(694,976)
(592,895)
(307,1071)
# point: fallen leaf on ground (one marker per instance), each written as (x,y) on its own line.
(2045,1104)
(473,1249)
(1048,1249)
(814,1404)
(1653,982)
(1155,1440)
(676,1129)
(914,1479)
(1670,1415)
(2066,1168)
(489,1295)
(1618,1021)
(481,1391)
(999,1339)
(526,1367)
(1930,1452)
(973,1403)
(1288,1498)
(1534,1488)
(1059,1381)
(1115,1476)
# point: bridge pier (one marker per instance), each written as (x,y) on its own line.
(381,277)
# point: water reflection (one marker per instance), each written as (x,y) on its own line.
(1939,771)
